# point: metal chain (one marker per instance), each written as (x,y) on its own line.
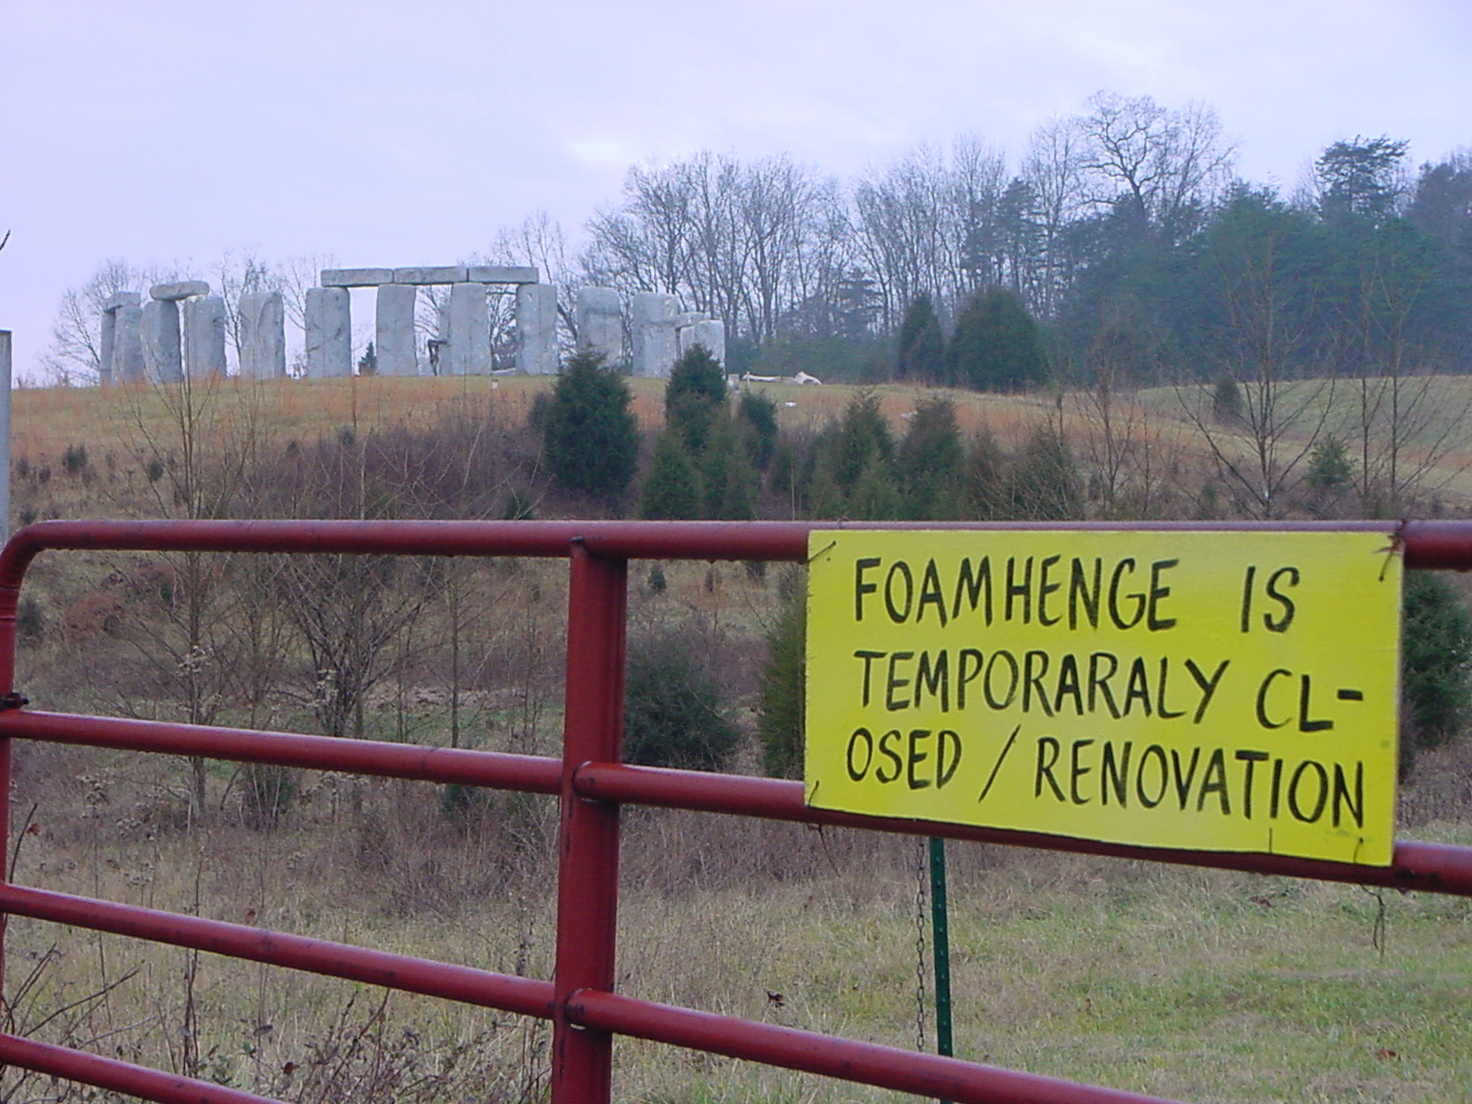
(921,884)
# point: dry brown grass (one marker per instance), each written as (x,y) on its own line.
(1178,982)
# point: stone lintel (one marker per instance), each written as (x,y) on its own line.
(356,277)
(177,291)
(502,274)
(448,274)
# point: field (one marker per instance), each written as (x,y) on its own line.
(1187,984)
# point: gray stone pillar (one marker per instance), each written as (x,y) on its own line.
(709,333)
(600,324)
(204,336)
(536,329)
(394,330)
(107,353)
(104,347)
(127,344)
(470,331)
(652,329)
(329,333)
(163,360)
(262,335)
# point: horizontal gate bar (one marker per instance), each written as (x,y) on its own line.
(1429,867)
(927,1075)
(1432,867)
(1427,544)
(526,996)
(118,1076)
(497,770)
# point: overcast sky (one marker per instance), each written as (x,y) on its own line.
(394,133)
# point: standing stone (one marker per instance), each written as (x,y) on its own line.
(262,335)
(600,324)
(104,347)
(204,336)
(329,333)
(127,344)
(536,329)
(652,327)
(470,331)
(107,356)
(394,330)
(163,360)
(709,333)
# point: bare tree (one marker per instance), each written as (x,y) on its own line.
(1054,167)
(75,356)
(1266,341)
(1165,166)
(1406,422)
(200,461)
(240,272)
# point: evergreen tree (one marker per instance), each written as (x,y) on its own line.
(1436,662)
(783,688)
(757,416)
(850,473)
(863,438)
(674,715)
(590,437)
(922,354)
(1044,479)
(672,488)
(997,346)
(984,482)
(929,464)
(696,392)
(1360,178)
(728,478)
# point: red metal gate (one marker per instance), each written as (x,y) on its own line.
(592,783)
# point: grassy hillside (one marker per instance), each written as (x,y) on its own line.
(1187,984)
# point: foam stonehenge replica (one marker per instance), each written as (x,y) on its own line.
(181,328)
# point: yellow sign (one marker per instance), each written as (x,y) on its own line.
(1217,691)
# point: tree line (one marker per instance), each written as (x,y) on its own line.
(1122,228)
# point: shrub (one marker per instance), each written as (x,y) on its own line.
(672,488)
(1436,661)
(1226,402)
(74,459)
(784,686)
(673,712)
(590,437)
(1045,480)
(30,622)
(1329,464)
(267,794)
(519,507)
